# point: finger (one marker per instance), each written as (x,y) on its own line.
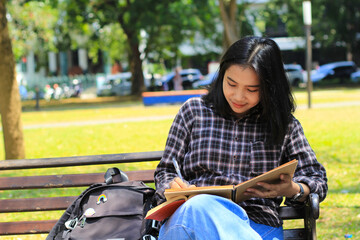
(255,192)
(285,177)
(261,194)
(174,184)
(180,182)
(265,186)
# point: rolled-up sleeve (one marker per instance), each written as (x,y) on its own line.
(309,170)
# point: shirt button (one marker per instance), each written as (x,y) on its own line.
(234,156)
(236,139)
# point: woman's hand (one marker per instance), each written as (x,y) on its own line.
(178,183)
(286,188)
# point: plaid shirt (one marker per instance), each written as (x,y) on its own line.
(212,151)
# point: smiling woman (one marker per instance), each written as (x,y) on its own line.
(242,128)
(241,89)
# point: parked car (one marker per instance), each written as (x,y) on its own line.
(294,73)
(341,70)
(114,85)
(208,79)
(355,76)
(189,77)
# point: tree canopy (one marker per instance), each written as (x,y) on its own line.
(334,23)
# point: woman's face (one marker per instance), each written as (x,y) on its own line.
(241,88)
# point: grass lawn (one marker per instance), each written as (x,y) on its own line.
(334,134)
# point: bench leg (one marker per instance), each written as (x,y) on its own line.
(311,214)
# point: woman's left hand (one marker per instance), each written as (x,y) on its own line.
(286,188)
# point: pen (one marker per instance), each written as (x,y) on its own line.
(177,169)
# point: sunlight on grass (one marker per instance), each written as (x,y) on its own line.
(328,96)
(97,113)
(97,139)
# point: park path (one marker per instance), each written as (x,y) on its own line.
(158,118)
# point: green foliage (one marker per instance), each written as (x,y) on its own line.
(333,22)
(31,26)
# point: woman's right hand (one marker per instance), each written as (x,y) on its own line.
(178,183)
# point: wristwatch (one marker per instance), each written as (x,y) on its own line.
(299,195)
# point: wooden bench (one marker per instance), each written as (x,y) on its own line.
(309,213)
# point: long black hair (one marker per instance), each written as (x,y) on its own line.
(276,100)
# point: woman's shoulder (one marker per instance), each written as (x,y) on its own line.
(195,105)
(294,124)
(294,120)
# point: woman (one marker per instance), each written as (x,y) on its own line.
(242,128)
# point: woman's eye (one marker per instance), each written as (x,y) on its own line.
(253,90)
(231,85)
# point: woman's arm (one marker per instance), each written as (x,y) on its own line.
(310,174)
(176,145)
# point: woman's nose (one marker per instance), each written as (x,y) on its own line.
(239,95)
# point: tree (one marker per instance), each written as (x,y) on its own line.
(32,26)
(340,21)
(334,22)
(161,26)
(234,20)
(229,13)
(10,104)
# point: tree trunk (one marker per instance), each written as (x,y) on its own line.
(228,12)
(10,103)
(349,54)
(137,86)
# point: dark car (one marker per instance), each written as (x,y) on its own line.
(355,76)
(189,77)
(341,70)
(208,79)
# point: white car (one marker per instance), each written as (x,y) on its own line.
(114,85)
(294,73)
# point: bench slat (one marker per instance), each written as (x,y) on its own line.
(33,227)
(80,160)
(23,227)
(35,204)
(84,180)
(295,234)
(61,203)
(69,180)
(291,213)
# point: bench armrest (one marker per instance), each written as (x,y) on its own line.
(311,214)
(313,205)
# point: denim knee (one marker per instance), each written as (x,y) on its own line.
(202,202)
(208,217)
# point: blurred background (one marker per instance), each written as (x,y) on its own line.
(93,48)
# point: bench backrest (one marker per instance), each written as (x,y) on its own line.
(16,205)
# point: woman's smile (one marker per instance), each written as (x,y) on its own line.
(241,89)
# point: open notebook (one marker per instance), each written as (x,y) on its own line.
(176,197)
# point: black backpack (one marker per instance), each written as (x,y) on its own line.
(111,210)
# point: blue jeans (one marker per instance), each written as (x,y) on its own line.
(205,217)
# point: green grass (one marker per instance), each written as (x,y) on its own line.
(334,134)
